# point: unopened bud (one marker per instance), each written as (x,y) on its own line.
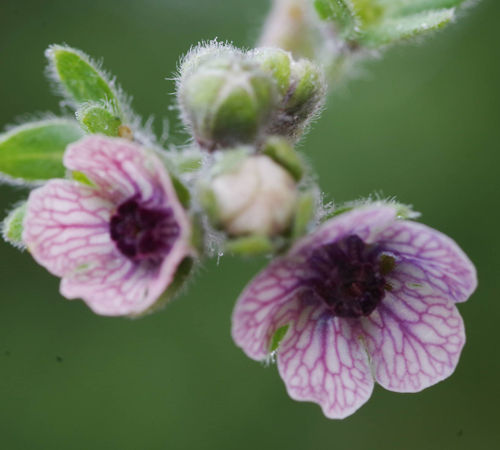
(254,197)
(224,96)
(301,86)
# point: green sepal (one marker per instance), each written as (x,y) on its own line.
(197,233)
(249,245)
(34,151)
(182,191)
(207,200)
(280,150)
(304,213)
(278,336)
(12,227)
(308,90)
(99,118)
(337,212)
(229,160)
(172,166)
(403,211)
(277,62)
(80,78)
(187,161)
(182,274)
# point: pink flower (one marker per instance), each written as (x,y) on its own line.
(117,243)
(367,297)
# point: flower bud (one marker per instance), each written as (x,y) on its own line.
(301,87)
(224,96)
(255,196)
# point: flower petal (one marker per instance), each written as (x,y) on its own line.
(66,226)
(118,167)
(115,286)
(321,360)
(414,340)
(427,257)
(267,303)
(365,221)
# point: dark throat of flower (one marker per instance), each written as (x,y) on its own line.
(142,233)
(348,276)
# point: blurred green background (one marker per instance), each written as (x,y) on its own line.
(422,124)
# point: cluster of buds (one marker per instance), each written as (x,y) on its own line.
(229,97)
(247,109)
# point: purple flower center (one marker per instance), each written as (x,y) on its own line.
(143,233)
(348,276)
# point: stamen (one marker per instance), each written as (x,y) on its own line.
(143,233)
(347,276)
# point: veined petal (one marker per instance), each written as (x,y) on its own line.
(120,168)
(269,302)
(414,340)
(115,286)
(428,258)
(321,360)
(67,226)
(365,221)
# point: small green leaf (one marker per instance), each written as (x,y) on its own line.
(304,213)
(282,152)
(12,229)
(81,79)
(34,151)
(249,245)
(396,29)
(278,337)
(99,118)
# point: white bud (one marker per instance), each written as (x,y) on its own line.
(256,197)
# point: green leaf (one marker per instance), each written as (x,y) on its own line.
(367,11)
(249,245)
(375,23)
(338,11)
(304,214)
(278,337)
(80,78)
(34,151)
(12,229)
(99,118)
(408,7)
(397,29)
